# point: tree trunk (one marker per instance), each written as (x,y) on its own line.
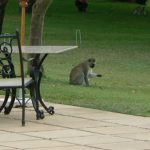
(38,14)
(2,12)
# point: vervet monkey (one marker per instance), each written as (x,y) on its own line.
(81,73)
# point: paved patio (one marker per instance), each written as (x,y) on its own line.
(74,128)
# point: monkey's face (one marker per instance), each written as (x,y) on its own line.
(92,62)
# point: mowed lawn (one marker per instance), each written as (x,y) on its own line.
(120,42)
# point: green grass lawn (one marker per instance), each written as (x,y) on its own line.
(118,40)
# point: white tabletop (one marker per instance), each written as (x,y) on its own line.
(44,49)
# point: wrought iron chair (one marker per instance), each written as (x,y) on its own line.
(9,81)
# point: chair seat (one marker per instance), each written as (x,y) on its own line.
(14,82)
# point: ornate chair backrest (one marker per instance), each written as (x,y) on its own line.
(7,43)
(6,65)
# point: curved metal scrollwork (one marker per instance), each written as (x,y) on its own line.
(7,71)
(6,65)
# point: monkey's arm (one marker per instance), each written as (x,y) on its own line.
(86,78)
(93,75)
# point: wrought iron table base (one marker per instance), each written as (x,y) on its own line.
(36,75)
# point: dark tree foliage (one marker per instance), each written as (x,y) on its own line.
(142,2)
(30,4)
(3,4)
(139,10)
(81,5)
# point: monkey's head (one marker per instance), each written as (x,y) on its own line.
(91,62)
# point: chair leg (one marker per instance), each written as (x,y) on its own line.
(5,99)
(23,107)
(13,96)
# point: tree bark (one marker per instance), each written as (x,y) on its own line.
(3,4)
(38,14)
(37,23)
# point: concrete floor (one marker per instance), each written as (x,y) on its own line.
(74,128)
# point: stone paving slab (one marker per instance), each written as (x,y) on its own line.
(73,122)
(74,128)
(12,125)
(9,137)
(136,145)
(117,130)
(137,136)
(77,111)
(94,139)
(34,144)
(66,133)
(6,148)
(72,147)
(143,122)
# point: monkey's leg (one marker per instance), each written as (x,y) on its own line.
(86,80)
(79,80)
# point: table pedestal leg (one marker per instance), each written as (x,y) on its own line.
(39,113)
(37,75)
